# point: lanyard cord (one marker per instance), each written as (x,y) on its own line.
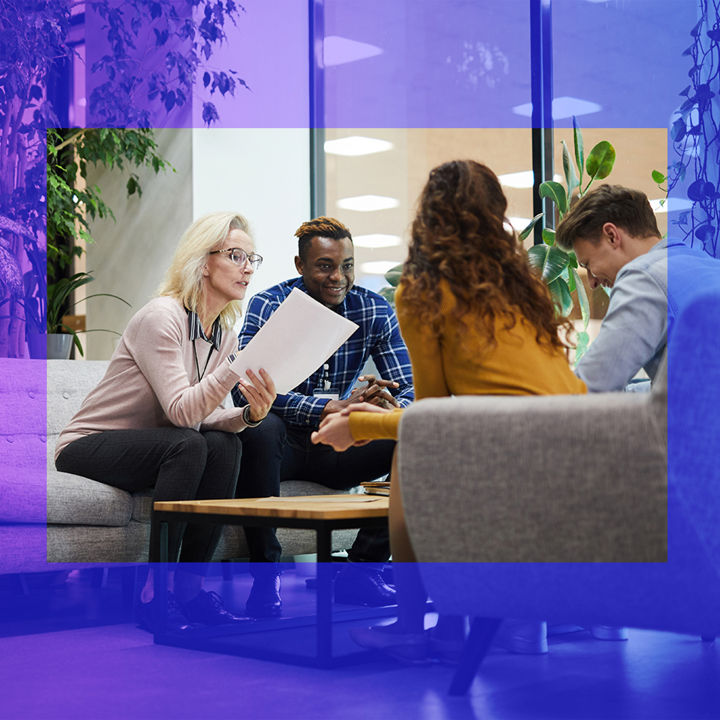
(197,364)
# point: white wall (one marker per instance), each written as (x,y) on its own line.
(262,173)
(130,256)
(265,175)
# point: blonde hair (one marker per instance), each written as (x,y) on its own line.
(184,278)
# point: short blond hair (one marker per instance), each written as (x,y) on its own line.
(184,278)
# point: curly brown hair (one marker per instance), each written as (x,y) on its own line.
(459,235)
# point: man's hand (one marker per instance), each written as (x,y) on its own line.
(335,406)
(363,407)
(376,394)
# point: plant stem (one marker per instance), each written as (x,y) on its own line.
(69,140)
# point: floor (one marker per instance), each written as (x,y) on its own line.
(115,671)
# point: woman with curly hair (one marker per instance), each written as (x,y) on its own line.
(475,317)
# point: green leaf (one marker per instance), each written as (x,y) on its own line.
(571,282)
(579,149)
(548,236)
(94,295)
(561,296)
(529,227)
(571,178)
(556,192)
(393,275)
(549,261)
(583,340)
(658,177)
(600,161)
(389,294)
(582,298)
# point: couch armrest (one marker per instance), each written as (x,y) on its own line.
(535,479)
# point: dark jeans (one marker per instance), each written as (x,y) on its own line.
(179,463)
(275,451)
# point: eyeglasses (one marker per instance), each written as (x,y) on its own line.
(240,257)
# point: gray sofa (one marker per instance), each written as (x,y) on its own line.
(596,509)
(77,520)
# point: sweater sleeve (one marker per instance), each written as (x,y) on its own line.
(375,426)
(155,341)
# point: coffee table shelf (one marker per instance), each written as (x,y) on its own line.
(321,513)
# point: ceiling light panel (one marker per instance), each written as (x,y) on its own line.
(562,107)
(378,267)
(338,50)
(368,203)
(377,240)
(356,145)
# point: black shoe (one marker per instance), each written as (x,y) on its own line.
(150,618)
(264,599)
(360,585)
(208,608)
(388,574)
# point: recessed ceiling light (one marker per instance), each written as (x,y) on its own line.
(356,145)
(339,50)
(519,223)
(367,203)
(522,179)
(378,267)
(562,107)
(377,240)
(664,205)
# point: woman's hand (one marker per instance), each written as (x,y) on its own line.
(334,430)
(260,393)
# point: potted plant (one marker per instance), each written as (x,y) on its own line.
(558,269)
(61,337)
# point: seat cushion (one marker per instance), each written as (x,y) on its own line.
(75,500)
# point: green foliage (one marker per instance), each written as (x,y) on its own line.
(530,226)
(557,267)
(70,208)
(58,303)
(72,204)
(600,162)
(555,192)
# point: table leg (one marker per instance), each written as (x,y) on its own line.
(324,597)
(160,581)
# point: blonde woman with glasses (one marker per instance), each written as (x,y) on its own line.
(156,420)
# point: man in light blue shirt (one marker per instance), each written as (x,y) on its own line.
(616,239)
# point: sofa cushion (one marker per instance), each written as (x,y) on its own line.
(75,500)
(68,383)
(83,543)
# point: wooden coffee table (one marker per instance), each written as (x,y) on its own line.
(322,513)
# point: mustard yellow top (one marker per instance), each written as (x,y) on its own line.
(465,364)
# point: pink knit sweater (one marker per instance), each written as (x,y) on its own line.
(152,379)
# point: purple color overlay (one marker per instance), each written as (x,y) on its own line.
(424,64)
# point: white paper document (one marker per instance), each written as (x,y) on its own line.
(297,339)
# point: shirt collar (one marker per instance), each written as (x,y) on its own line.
(196,330)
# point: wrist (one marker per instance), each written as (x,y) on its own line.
(328,409)
(247,417)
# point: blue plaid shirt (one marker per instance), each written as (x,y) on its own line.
(378,336)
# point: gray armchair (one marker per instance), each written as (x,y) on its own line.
(563,508)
